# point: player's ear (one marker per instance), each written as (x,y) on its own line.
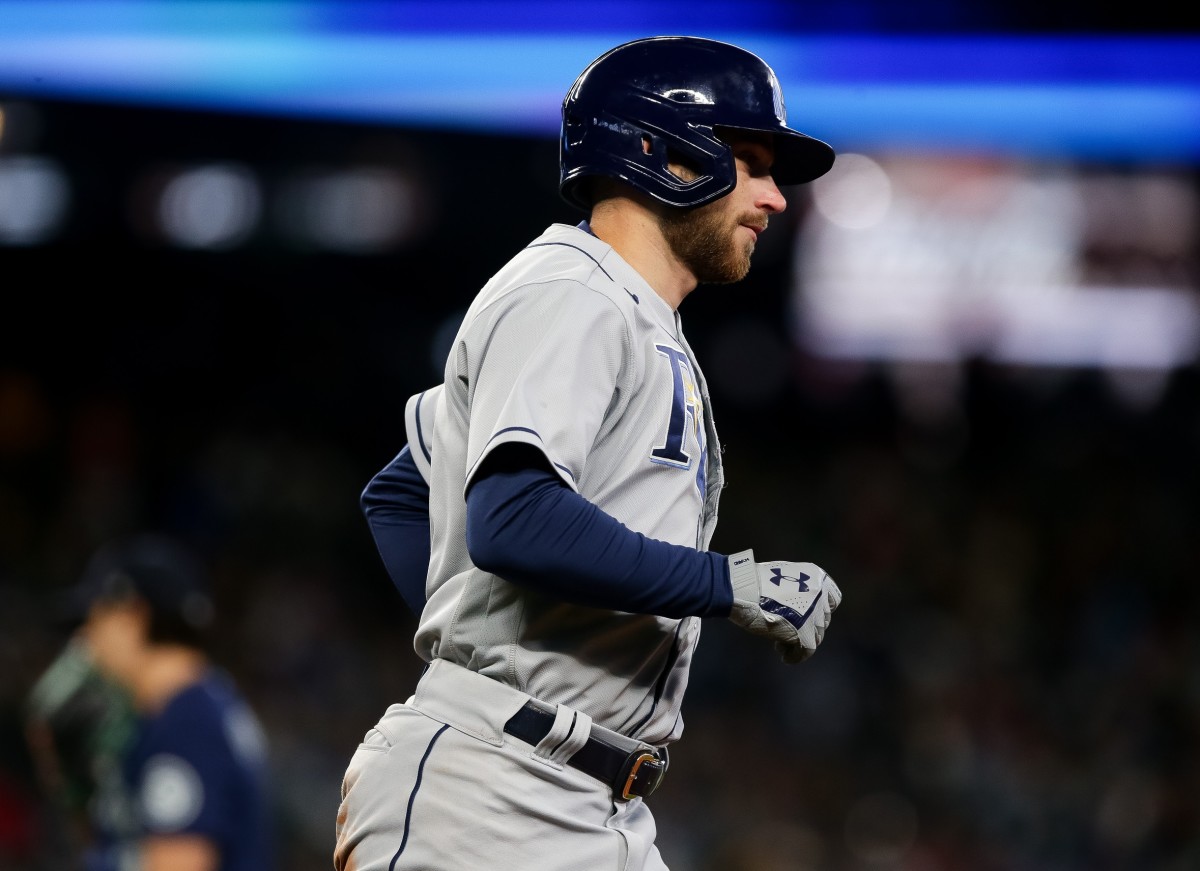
(681,167)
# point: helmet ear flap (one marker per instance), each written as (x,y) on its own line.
(683,166)
(661,153)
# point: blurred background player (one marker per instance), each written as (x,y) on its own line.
(550,517)
(143,742)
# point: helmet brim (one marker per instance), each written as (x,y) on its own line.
(799,158)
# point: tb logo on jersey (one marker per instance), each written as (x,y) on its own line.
(687,415)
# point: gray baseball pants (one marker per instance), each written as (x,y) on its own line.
(437,785)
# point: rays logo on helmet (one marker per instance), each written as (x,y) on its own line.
(777,94)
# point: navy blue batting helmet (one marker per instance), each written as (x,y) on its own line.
(660,99)
(156,568)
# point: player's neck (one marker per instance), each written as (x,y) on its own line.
(633,232)
(166,670)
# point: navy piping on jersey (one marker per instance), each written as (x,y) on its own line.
(420,431)
(532,432)
(577,248)
(412,796)
(501,432)
(587,228)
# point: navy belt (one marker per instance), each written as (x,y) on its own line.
(628,774)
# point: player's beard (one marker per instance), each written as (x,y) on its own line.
(705,240)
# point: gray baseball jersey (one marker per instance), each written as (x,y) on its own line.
(567,349)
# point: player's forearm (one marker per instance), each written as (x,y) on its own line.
(403,546)
(531,529)
(396,505)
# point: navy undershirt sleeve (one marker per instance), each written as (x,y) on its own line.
(527,526)
(396,505)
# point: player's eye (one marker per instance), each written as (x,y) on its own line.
(756,159)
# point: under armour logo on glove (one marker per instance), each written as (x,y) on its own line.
(778,577)
(791,603)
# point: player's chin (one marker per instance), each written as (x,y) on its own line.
(736,262)
(725,265)
(739,262)
(736,267)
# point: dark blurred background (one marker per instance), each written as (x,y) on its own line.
(961,378)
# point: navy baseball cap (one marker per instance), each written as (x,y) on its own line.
(156,568)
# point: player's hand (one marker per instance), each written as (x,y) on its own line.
(789,602)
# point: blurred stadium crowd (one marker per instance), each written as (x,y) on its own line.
(1011,683)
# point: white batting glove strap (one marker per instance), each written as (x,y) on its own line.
(789,602)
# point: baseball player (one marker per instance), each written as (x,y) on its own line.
(183,784)
(550,516)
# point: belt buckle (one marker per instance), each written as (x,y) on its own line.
(646,772)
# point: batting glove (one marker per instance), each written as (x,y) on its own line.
(791,603)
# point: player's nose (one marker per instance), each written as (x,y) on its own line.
(769,198)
